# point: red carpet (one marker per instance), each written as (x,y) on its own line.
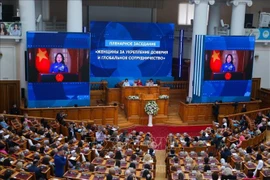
(160,132)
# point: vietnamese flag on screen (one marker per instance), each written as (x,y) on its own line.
(43,62)
(215,61)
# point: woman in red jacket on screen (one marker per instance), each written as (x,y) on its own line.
(139,82)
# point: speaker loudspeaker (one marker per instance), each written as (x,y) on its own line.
(22,93)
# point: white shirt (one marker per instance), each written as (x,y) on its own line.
(126,84)
(100,136)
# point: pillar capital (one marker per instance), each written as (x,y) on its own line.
(211,2)
(237,2)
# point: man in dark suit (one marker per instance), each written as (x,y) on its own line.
(215,111)
(35,169)
(14,110)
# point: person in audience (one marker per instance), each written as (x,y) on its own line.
(199,176)
(259,117)
(227,174)
(71,131)
(215,176)
(181,175)
(19,166)
(3,123)
(249,176)
(206,168)
(244,108)
(59,65)
(241,139)
(60,162)
(224,123)
(228,66)
(249,150)
(126,83)
(151,151)
(203,137)
(109,177)
(147,174)
(7,175)
(225,153)
(100,135)
(117,167)
(259,164)
(147,158)
(14,110)
(91,168)
(118,155)
(3,148)
(35,169)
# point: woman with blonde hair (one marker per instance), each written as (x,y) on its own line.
(199,176)
(19,166)
(227,174)
(147,158)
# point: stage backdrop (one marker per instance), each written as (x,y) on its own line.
(58,69)
(223,68)
(122,50)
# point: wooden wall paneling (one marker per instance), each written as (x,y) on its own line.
(9,94)
(113,95)
(138,91)
(97,115)
(110,115)
(265,97)
(73,113)
(35,112)
(256,86)
(95,95)
(48,113)
(4,105)
(153,90)
(132,110)
(84,113)
(164,91)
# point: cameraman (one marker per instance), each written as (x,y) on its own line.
(60,117)
(100,135)
(215,110)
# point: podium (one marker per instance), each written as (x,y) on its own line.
(135,113)
(149,97)
(145,98)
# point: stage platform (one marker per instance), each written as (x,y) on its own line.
(201,113)
(179,113)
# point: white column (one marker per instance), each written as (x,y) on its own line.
(199,28)
(214,19)
(28,20)
(154,15)
(238,16)
(74,16)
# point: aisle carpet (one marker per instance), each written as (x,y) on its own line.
(160,132)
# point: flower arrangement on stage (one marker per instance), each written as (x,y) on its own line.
(133,97)
(163,97)
(151,108)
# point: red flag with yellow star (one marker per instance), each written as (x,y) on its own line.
(215,61)
(43,62)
